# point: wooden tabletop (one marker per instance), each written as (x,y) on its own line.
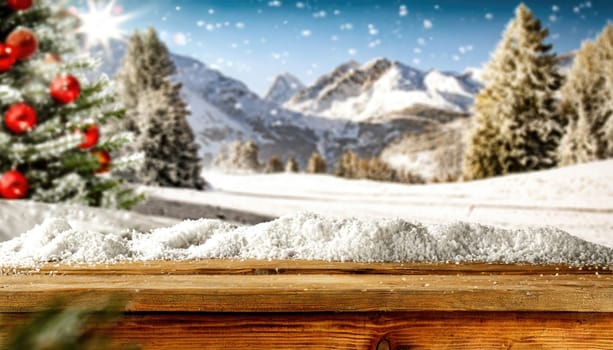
(308,286)
(258,305)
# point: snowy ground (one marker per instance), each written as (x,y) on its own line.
(349,220)
(20,216)
(304,236)
(577,199)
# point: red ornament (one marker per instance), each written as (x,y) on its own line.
(13,185)
(65,89)
(51,58)
(24,43)
(20,118)
(7,57)
(91,135)
(19,5)
(104,161)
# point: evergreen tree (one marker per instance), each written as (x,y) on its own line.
(146,66)
(316,165)
(274,165)
(346,165)
(249,156)
(379,170)
(53,143)
(171,154)
(517,124)
(587,103)
(159,115)
(292,165)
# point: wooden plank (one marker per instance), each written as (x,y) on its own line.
(264,267)
(316,293)
(404,331)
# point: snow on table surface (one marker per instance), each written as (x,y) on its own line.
(304,236)
(576,199)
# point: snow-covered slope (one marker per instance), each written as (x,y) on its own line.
(19,216)
(224,109)
(351,220)
(381,87)
(577,199)
(283,88)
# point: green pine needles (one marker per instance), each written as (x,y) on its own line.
(517,125)
(64,154)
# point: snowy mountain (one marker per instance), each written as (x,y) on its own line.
(334,114)
(283,88)
(381,87)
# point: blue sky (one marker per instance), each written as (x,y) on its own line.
(254,40)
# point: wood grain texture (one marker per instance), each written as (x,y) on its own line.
(404,331)
(316,293)
(219,304)
(265,267)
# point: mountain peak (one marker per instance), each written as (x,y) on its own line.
(376,62)
(380,87)
(283,88)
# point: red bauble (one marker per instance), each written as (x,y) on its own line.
(24,43)
(51,58)
(104,161)
(7,57)
(19,5)
(91,135)
(20,118)
(13,185)
(65,89)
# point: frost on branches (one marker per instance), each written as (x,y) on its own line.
(517,123)
(158,115)
(53,142)
(587,103)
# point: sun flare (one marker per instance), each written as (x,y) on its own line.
(102,23)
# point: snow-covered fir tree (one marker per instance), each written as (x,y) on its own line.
(53,143)
(317,164)
(292,165)
(249,156)
(159,116)
(517,123)
(171,153)
(587,103)
(240,156)
(274,165)
(145,66)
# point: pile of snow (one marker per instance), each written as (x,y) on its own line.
(19,216)
(304,236)
(576,199)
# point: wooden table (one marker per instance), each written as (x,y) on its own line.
(229,304)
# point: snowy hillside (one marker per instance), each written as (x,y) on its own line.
(283,88)
(380,87)
(349,221)
(577,199)
(20,216)
(223,110)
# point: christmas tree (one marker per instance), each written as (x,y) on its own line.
(53,144)
(517,122)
